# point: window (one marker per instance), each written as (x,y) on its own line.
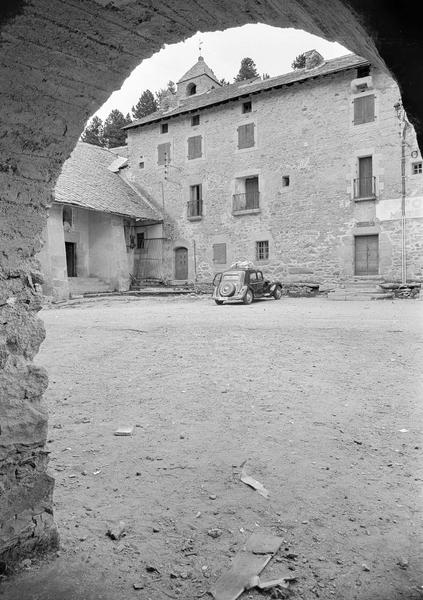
(246,136)
(191,89)
(364,109)
(164,128)
(285,180)
(247,197)
(194,147)
(140,240)
(163,154)
(219,254)
(67,215)
(417,168)
(247,107)
(363,71)
(262,250)
(195,120)
(195,204)
(364,185)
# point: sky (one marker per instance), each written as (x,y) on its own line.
(272,49)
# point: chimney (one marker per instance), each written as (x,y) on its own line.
(313,59)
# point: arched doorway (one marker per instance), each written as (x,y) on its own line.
(181,263)
(116,36)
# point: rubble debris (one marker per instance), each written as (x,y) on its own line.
(116,531)
(124,430)
(151,569)
(256,485)
(402,563)
(365,567)
(247,563)
(282,582)
(215,532)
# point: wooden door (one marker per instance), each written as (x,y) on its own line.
(181,263)
(367,255)
(70,248)
(251,192)
(365,175)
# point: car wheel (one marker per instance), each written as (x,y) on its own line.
(277,292)
(219,302)
(248,297)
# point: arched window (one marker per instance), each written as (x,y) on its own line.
(191,89)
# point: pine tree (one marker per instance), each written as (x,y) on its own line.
(93,133)
(113,134)
(248,70)
(299,62)
(146,105)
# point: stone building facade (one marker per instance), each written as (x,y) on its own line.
(301,173)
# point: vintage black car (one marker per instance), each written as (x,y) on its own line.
(244,285)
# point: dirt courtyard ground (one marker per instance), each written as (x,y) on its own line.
(322,399)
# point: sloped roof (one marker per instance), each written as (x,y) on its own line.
(245,88)
(120,150)
(86,181)
(200,68)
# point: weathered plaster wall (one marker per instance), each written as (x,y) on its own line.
(108,259)
(53,257)
(58,63)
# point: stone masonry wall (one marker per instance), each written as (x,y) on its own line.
(59,62)
(304,131)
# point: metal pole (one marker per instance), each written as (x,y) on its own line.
(403,196)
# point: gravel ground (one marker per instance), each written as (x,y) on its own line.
(321,399)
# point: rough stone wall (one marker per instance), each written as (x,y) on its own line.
(58,63)
(306,132)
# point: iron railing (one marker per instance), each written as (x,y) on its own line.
(248,201)
(195,208)
(365,187)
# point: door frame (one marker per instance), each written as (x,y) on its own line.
(175,249)
(362,235)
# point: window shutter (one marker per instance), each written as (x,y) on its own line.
(364,109)
(163,150)
(194,147)
(246,136)
(219,254)
(196,192)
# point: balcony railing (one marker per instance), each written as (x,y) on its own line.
(195,209)
(364,187)
(246,202)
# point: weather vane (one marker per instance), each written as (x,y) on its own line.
(200,43)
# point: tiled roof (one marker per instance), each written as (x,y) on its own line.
(200,68)
(86,181)
(120,150)
(255,86)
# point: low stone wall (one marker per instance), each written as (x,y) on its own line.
(400,290)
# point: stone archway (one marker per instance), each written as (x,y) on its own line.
(59,62)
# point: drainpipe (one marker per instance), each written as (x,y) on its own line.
(403,124)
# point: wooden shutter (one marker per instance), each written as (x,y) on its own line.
(219,254)
(194,147)
(246,136)
(364,109)
(163,150)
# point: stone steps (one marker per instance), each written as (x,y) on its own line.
(86,285)
(361,289)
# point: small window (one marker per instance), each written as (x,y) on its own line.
(164,128)
(163,154)
(191,89)
(363,71)
(194,147)
(140,240)
(364,109)
(285,180)
(195,120)
(219,254)
(417,168)
(247,107)
(141,164)
(195,204)
(67,215)
(262,250)
(246,136)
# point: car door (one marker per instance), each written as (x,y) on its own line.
(260,283)
(253,282)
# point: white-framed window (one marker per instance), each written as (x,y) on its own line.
(417,168)
(262,250)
